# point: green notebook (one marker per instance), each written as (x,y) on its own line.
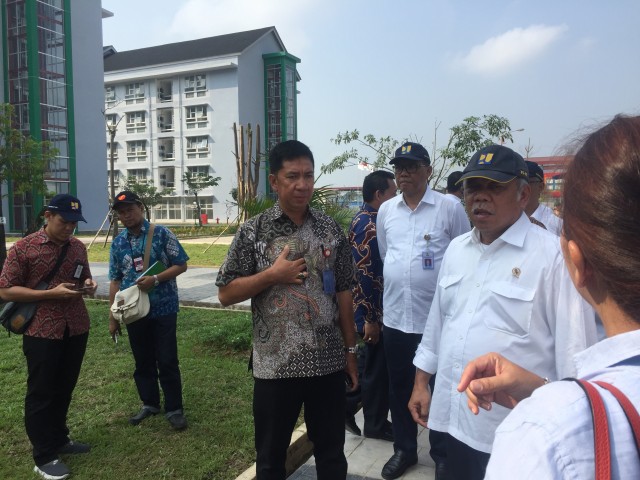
(154,269)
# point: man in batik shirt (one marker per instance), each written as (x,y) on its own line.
(377,187)
(295,264)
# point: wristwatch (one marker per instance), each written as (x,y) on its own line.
(350,350)
(156,282)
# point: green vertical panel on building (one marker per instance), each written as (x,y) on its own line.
(71,128)
(5,65)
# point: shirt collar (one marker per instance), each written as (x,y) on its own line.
(368,208)
(428,197)
(276,212)
(42,236)
(607,352)
(144,229)
(514,235)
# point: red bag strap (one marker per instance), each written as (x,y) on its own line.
(629,410)
(600,429)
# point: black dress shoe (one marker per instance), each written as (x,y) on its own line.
(351,426)
(144,412)
(398,464)
(441,471)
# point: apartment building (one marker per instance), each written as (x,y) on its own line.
(172,109)
(52,75)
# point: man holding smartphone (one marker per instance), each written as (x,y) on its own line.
(55,342)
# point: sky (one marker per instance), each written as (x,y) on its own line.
(400,68)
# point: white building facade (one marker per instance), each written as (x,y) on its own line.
(174,106)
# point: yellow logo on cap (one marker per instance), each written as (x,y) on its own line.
(406,148)
(485,159)
(74,205)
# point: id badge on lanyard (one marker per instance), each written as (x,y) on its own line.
(328,277)
(428,257)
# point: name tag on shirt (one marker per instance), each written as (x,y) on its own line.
(77,272)
(428,260)
(138,264)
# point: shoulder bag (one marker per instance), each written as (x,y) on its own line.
(17,316)
(132,303)
(601,424)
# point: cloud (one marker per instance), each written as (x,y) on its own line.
(504,53)
(207,18)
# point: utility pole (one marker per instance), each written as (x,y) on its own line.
(112,128)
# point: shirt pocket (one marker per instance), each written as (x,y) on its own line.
(449,286)
(510,309)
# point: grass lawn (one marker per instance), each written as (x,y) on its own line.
(213,258)
(218,445)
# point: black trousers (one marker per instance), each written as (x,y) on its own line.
(464,462)
(375,388)
(400,348)
(276,407)
(53,368)
(155,350)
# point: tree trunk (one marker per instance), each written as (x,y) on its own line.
(198,208)
(3,238)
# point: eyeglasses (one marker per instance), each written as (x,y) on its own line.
(410,168)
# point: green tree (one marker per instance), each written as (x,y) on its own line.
(147,192)
(464,139)
(23,162)
(197,182)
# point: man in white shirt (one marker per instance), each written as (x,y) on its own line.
(534,208)
(414,229)
(502,287)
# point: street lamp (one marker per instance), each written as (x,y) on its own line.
(509,132)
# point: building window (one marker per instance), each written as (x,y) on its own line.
(136,122)
(134,93)
(115,150)
(197,147)
(195,86)
(111,120)
(198,171)
(116,178)
(169,209)
(273,106)
(137,151)
(196,116)
(110,96)
(138,174)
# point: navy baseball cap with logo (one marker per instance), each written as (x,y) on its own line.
(535,170)
(126,198)
(411,151)
(67,206)
(497,163)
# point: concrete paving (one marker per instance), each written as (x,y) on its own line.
(367,456)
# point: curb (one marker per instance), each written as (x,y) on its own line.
(300,450)
(193,303)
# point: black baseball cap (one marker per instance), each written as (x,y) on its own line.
(497,163)
(411,151)
(67,206)
(535,170)
(126,197)
(452,181)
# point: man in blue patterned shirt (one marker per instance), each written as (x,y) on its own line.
(377,188)
(152,338)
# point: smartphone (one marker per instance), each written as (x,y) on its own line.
(83,288)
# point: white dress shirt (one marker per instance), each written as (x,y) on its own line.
(550,220)
(550,435)
(408,288)
(513,297)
